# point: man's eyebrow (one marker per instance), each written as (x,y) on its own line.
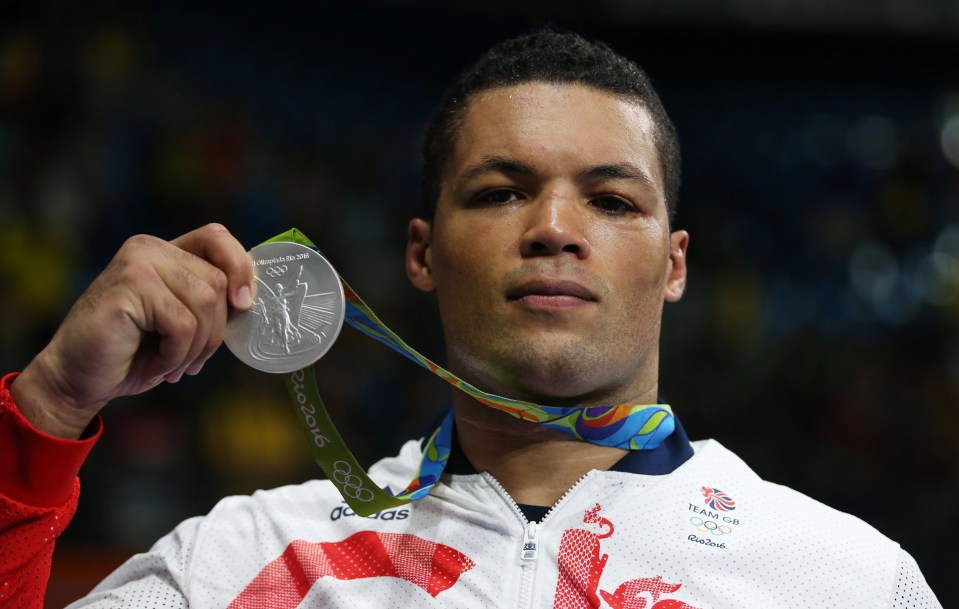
(496,164)
(618,171)
(610,171)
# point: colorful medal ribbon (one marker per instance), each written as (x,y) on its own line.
(627,426)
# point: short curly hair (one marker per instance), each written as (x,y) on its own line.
(553,56)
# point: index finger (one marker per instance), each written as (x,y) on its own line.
(216,245)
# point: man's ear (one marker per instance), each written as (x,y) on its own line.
(419,266)
(676,268)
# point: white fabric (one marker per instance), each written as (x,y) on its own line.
(639,549)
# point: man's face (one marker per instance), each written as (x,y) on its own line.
(550,252)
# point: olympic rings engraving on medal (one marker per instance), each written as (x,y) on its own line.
(352,485)
(277,271)
(708,526)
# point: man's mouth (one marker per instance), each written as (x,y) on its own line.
(549,293)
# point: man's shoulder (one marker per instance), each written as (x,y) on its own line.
(727,478)
(717,515)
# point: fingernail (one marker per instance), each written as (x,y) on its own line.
(243,299)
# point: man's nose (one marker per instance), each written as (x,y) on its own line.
(556,224)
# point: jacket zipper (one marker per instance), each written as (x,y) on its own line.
(529,549)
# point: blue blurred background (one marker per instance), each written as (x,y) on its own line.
(818,337)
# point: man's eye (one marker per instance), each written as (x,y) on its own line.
(613,205)
(498,196)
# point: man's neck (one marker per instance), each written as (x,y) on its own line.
(535,465)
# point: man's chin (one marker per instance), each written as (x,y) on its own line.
(553,371)
(555,384)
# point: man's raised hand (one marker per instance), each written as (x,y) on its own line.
(157,311)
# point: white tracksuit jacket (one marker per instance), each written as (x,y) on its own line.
(709,535)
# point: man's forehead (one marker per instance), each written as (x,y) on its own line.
(607,128)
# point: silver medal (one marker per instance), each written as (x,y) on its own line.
(298,310)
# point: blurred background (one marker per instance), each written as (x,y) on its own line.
(818,337)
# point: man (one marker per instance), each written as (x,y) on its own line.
(550,172)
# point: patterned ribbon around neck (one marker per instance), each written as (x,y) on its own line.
(628,426)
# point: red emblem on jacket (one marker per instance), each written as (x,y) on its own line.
(581,565)
(284,583)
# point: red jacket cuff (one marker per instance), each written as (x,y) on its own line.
(36,468)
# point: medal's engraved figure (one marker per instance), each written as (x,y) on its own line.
(284,330)
(279,332)
(289,320)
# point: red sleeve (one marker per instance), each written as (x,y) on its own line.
(38,496)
